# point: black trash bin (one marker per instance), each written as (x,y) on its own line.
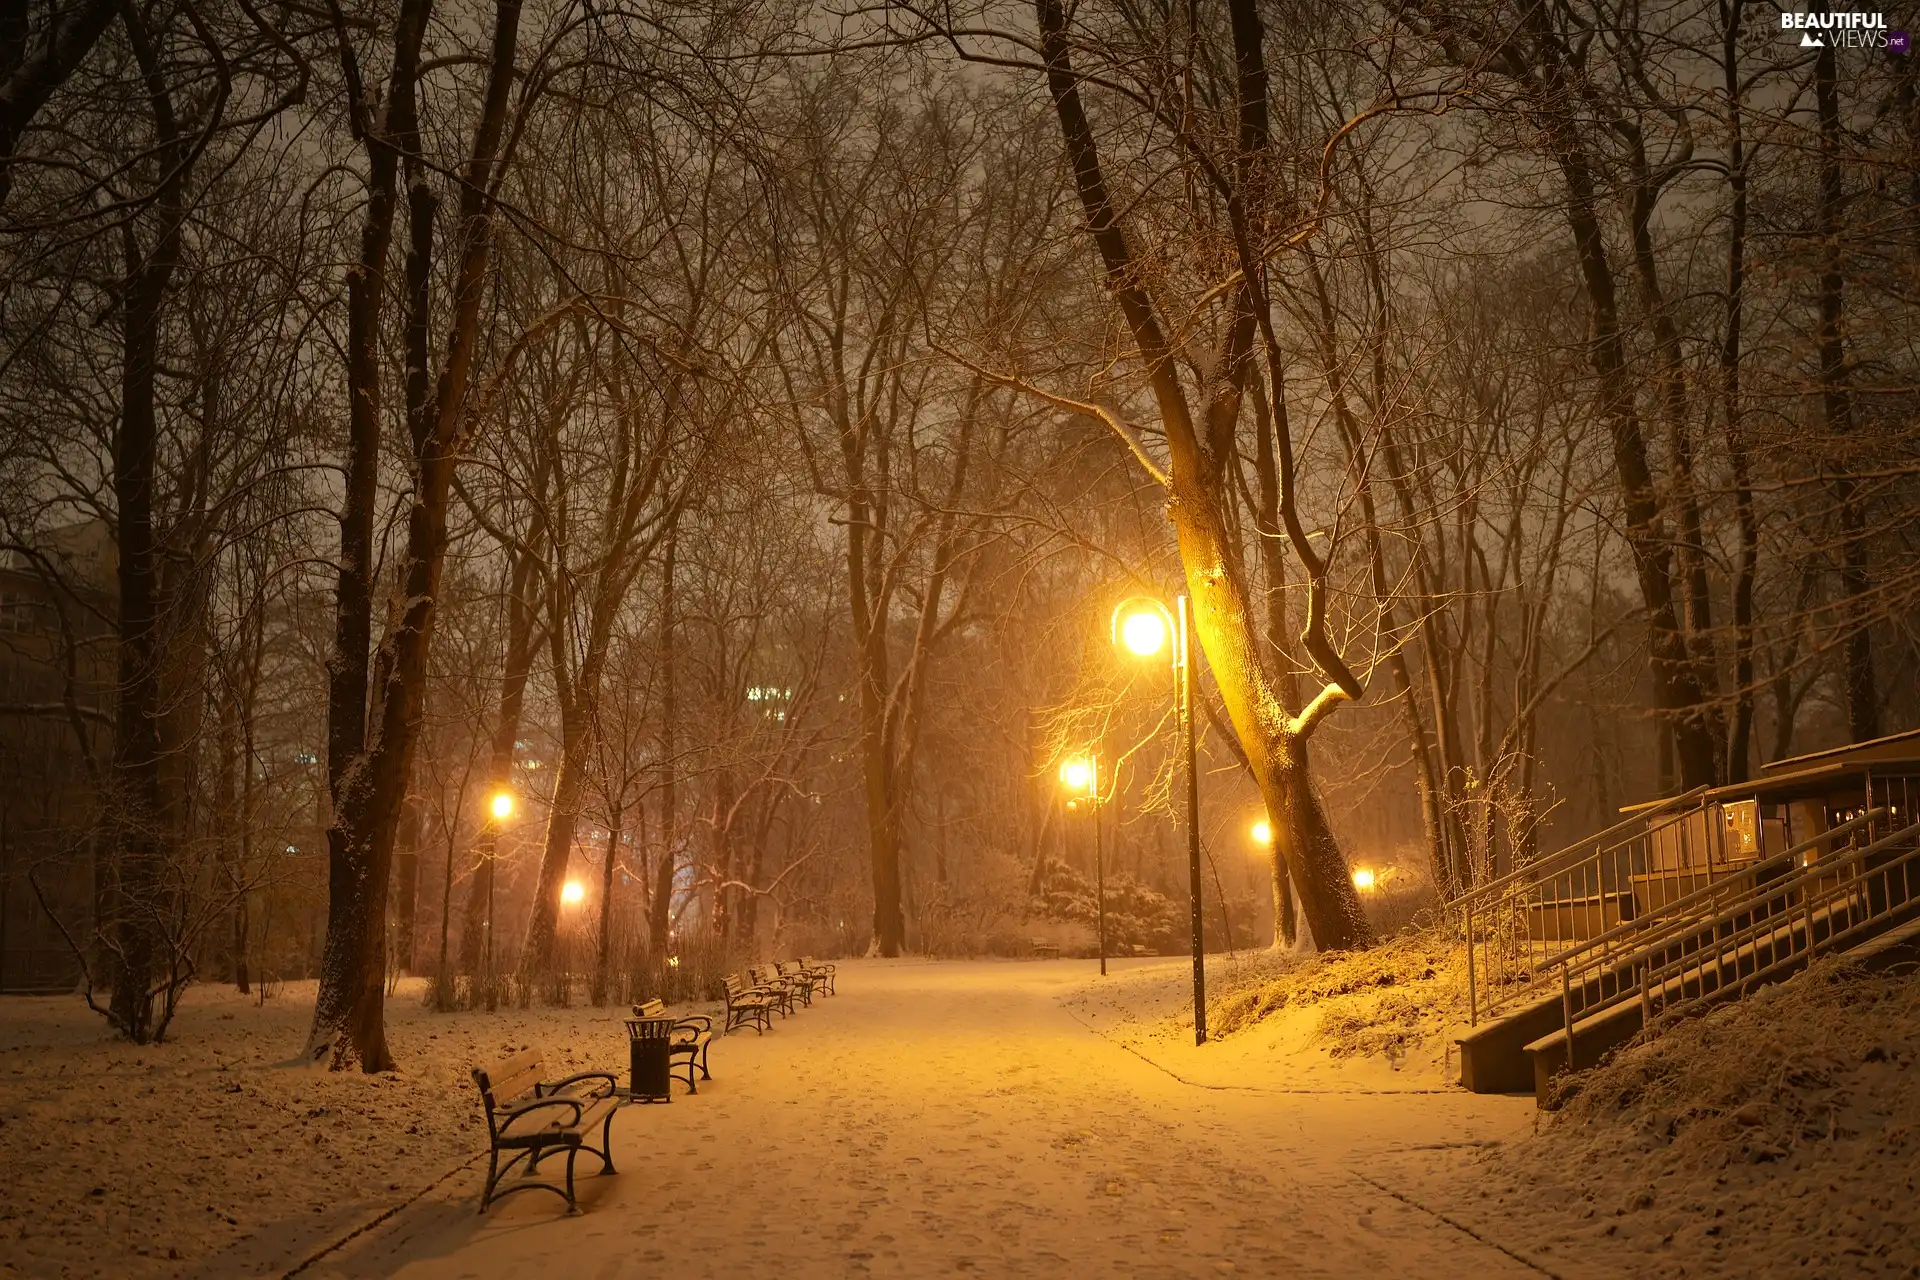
(650,1041)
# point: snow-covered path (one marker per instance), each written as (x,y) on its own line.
(956,1117)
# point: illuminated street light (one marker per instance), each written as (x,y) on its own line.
(573,893)
(1142,627)
(1080,775)
(1143,632)
(1262,833)
(1363,879)
(501,806)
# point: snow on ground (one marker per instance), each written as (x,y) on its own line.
(1002,1117)
(1381,1019)
(1779,1136)
(163,1156)
(936,1118)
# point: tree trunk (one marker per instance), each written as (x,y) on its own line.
(603,941)
(348,1023)
(1274,742)
(660,907)
(1836,407)
(135,801)
(368,771)
(406,882)
(1740,739)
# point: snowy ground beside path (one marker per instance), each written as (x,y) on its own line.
(200,1156)
(1148,1008)
(1779,1136)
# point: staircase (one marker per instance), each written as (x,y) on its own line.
(1574,955)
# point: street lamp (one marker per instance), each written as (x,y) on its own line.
(1262,832)
(1143,627)
(1080,775)
(500,808)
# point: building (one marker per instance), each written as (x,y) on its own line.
(58,607)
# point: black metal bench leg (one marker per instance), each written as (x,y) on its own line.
(573,1205)
(606,1143)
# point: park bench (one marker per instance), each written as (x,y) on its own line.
(532,1118)
(747,1005)
(1044,950)
(822,973)
(691,1035)
(781,989)
(803,983)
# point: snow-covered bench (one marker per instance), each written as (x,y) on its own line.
(747,1005)
(783,990)
(805,981)
(1044,950)
(688,1046)
(822,973)
(533,1118)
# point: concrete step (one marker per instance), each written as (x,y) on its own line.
(1494,1058)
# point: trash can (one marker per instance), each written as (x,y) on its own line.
(650,1041)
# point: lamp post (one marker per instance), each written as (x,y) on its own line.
(499,809)
(1081,777)
(1142,626)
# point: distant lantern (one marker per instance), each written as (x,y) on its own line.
(572,893)
(501,806)
(1263,832)
(1363,879)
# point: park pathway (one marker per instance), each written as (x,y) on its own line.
(934,1119)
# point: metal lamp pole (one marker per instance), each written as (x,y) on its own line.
(1183,661)
(1099,866)
(1140,626)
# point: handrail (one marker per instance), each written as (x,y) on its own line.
(1626,927)
(1776,889)
(1903,863)
(1587,847)
(1752,906)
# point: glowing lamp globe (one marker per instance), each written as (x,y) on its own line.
(1263,832)
(501,806)
(572,893)
(1076,774)
(1363,879)
(1143,632)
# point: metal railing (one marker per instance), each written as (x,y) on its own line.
(1518,925)
(1816,903)
(1594,974)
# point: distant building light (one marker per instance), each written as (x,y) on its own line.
(305,757)
(293,848)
